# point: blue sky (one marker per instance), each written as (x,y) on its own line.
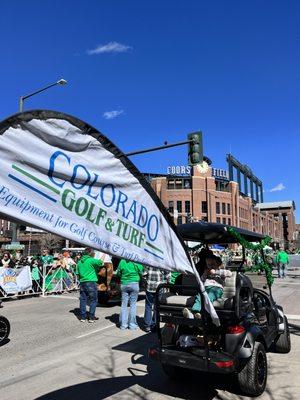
(145,72)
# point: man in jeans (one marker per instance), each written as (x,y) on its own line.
(87,271)
(154,277)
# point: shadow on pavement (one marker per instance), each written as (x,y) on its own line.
(143,377)
(76,312)
(114,318)
(137,387)
(150,383)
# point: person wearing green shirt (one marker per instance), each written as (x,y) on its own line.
(87,270)
(282,260)
(47,259)
(130,273)
(35,276)
(174,276)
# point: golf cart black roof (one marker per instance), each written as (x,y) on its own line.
(212,233)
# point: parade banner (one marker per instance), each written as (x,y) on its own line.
(62,175)
(15,280)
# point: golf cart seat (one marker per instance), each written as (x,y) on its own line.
(226,302)
(187,295)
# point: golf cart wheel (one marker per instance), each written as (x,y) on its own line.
(4,329)
(103,297)
(253,377)
(283,343)
(174,372)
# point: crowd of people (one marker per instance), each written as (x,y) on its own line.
(84,269)
(59,267)
(16,260)
(278,259)
(130,274)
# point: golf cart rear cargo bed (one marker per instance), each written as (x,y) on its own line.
(216,362)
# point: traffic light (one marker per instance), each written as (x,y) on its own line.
(195,152)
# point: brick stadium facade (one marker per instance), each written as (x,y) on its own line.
(208,196)
(204,196)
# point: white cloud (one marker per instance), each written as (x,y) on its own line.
(112,114)
(278,188)
(111,47)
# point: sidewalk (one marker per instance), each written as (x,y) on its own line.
(286,292)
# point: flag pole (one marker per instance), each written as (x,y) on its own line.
(204,296)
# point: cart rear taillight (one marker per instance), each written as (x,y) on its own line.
(153,353)
(235,330)
(168,325)
(224,364)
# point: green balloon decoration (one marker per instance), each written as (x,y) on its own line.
(249,245)
(263,266)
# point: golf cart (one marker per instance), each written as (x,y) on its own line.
(251,323)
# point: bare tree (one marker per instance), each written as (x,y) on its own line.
(51,242)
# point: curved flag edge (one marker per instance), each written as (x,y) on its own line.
(107,144)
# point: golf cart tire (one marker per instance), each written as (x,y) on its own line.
(283,343)
(4,329)
(173,372)
(103,298)
(252,379)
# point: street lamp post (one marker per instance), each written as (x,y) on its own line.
(14,226)
(22,98)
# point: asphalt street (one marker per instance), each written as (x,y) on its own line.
(51,355)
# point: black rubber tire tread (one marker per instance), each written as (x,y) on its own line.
(247,377)
(283,343)
(174,372)
(103,298)
(4,320)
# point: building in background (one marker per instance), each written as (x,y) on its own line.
(208,194)
(233,197)
(297,237)
(284,211)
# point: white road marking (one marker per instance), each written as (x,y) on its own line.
(293,317)
(98,330)
(59,296)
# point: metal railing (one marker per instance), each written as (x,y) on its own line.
(50,279)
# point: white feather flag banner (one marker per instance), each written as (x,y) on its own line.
(63,176)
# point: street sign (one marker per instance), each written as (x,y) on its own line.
(34,230)
(13,246)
